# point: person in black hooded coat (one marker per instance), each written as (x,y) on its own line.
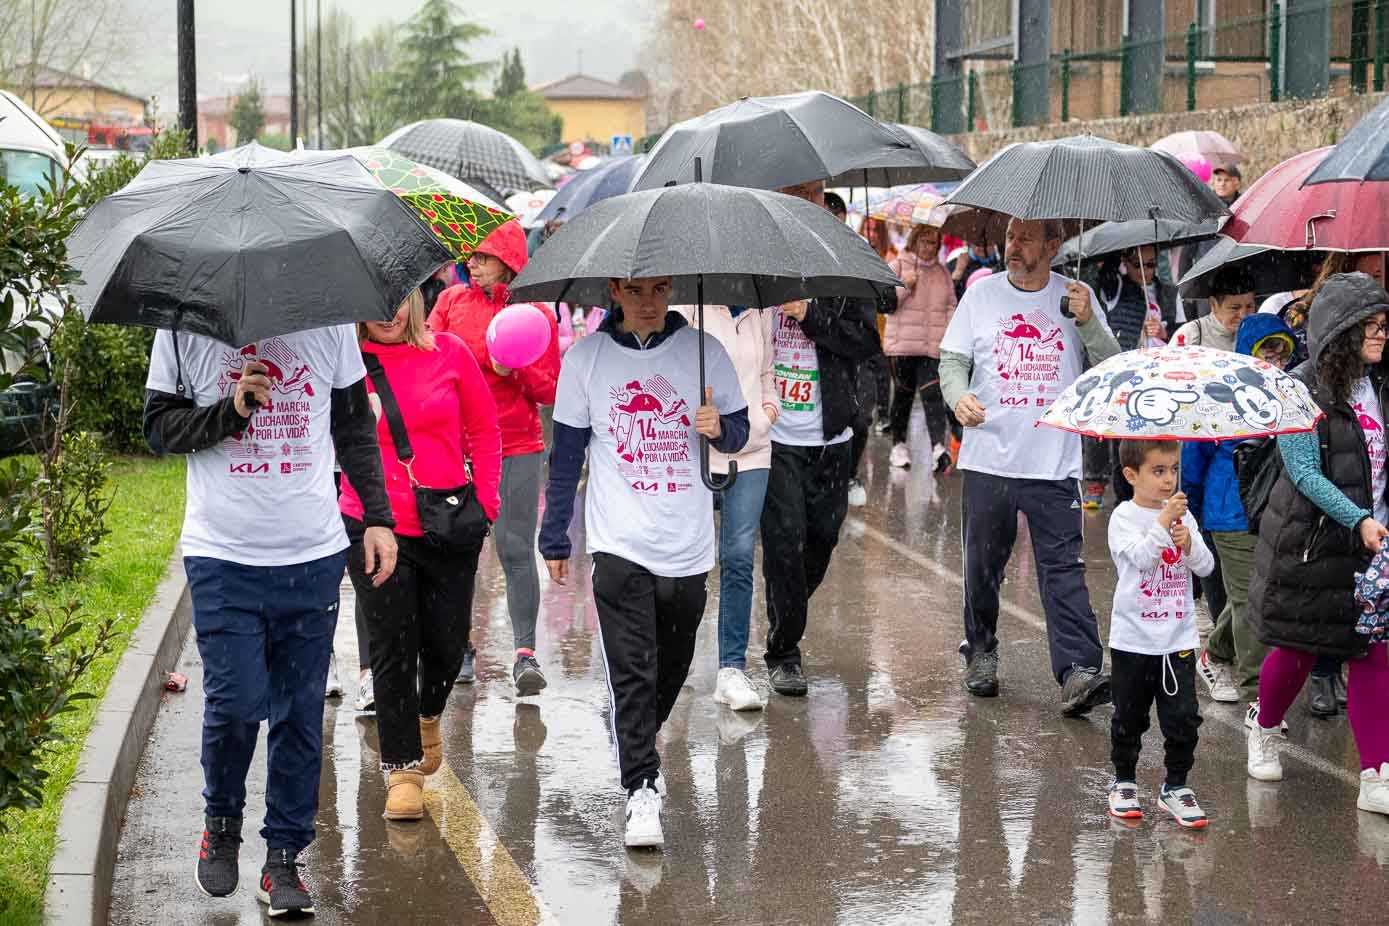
(1324,519)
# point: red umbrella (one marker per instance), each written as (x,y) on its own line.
(1277,211)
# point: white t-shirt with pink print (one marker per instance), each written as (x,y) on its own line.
(1365,403)
(1154,609)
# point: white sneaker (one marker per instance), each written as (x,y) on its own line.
(1263,763)
(1251,719)
(644,819)
(333,687)
(900,456)
(366,693)
(1216,675)
(1374,790)
(858,495)
(736,690)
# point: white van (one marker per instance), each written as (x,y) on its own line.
(31,150)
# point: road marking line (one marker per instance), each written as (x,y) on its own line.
(1291,750)
(510,897)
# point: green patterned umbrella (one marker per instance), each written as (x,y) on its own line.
(459,215)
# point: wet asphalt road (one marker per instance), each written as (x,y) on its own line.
(886,796)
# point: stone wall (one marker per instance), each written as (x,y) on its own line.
(1268,133)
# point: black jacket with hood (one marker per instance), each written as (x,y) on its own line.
(1302,594)
(845,333)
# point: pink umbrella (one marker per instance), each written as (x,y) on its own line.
(1213,146)
(1278,211)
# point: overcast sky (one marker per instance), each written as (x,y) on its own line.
(239,37)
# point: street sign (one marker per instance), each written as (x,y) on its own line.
(622,144)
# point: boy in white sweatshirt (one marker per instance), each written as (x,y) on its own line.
(1156,546)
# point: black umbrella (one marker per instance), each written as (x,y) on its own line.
(1113,237)
(471,152)
(250,244)
(592,186)
(1088,178)
(1362,155)
(1274,270)
(722,243)
(947,160)
(779,141)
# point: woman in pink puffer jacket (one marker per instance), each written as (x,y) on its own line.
(912,342)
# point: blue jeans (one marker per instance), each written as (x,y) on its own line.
(741,514)
(264,635)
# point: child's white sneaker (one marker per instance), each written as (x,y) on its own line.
(1374,790)
(1181,804)
(1123,801)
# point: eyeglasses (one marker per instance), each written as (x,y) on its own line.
(1376,329)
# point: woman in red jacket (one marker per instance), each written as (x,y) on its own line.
(466,310)
(419,618)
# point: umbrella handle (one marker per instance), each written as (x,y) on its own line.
(714,482)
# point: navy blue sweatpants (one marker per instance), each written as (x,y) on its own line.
(991,506)
(264,635)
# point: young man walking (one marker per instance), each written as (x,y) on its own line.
(264,548)
(629,402)
(1017,340)
(817,348)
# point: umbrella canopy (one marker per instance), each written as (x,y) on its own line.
(250,244)
(906,205)
(947,162)
(1279,211)
(1112,237)
(470,151)
(527,206)
(1273,270)
(779,141)
(745,247)
(1212,146)
(1362,155)
(1184,393)
(1089,178)
(458,214)
(611,179)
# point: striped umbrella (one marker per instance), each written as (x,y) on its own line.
(471,152)
(1088,178)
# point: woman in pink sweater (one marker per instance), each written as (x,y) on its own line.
(912,343)
(418,620)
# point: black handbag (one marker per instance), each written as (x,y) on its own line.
(450,517)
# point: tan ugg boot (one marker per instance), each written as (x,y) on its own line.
(432,742)
(405,795)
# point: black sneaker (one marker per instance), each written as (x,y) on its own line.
(1084,690)
(1321,696)
(281,888)
(788,680)
(1339,684)
(527,677)
(218,856)
(468,673)
(981,675)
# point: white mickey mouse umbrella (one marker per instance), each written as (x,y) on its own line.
(1184,393)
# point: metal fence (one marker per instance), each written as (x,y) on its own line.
(1233,63)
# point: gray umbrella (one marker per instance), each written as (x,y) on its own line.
(471,152)
(592,186)
(1112,237)
(1362,155)
(1089,178)
(250,244)
(1273,270)
(722,243)
(779,141)
(947,160)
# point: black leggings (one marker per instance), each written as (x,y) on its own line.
(913,377)
(418,623)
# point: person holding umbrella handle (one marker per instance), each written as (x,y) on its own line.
(629,402)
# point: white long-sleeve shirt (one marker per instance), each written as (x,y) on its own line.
(1154,610)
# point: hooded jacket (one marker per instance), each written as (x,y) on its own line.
(923,311)
(1302,595)
(1208,467)
(845,333)
(747,338)
(467,309)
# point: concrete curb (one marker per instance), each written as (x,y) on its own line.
(89,828)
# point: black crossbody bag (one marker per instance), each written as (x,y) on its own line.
(450,518)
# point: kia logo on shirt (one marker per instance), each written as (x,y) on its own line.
(248,468)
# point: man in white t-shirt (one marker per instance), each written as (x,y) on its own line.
(264,548)
(628,401)
(1017,340)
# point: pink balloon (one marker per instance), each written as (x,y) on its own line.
(1197,164)
(978,275)
(699,24)
(518,335)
